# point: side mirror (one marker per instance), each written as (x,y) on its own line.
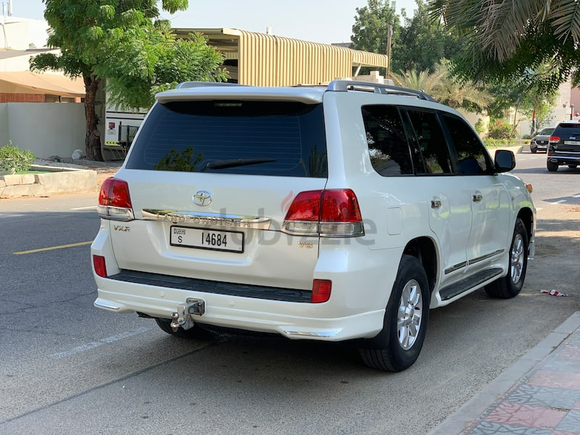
(504,160)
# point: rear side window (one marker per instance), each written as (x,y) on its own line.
(388,148)
(233,137)
(472,157)
(431,142)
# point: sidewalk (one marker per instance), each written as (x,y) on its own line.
(537,395)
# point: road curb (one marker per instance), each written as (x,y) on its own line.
(472,409)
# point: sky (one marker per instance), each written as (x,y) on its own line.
(325,21)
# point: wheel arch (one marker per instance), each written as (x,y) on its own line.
(423,248)
(527,217)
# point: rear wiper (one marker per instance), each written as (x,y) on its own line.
(223,164)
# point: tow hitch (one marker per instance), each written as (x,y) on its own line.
(183,316)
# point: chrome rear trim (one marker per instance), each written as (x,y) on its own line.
(311,333)
(207,219)
(106,305)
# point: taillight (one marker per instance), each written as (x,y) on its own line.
(328,213)
(321,289)
(554,139)
(115,201)
(100,266)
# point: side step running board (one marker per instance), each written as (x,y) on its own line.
(467,284)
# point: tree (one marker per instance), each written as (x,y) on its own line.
(371,27)
(444,88)
(509,39)
(121,41)
(523,99)
(423,42)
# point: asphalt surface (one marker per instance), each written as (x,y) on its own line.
(67,367)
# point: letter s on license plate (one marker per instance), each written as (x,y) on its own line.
(228,241)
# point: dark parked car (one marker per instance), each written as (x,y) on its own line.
(564,146)
(540,140)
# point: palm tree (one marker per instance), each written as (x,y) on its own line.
(507,38)
(421,81)
(444,88)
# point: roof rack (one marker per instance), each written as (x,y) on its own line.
(377,88)
(204,84)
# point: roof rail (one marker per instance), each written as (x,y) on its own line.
(204,84)
(377,88)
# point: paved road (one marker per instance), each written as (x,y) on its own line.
(67,367)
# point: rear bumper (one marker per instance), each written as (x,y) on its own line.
(361,285)
(565,159)
(290,319)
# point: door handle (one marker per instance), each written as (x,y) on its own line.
(478,197)
(435,203)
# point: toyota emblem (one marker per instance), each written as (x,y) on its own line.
(202,198)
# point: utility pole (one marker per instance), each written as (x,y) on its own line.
(389,40)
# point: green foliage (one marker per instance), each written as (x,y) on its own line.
(497,143)
(509,40)
(182,162)
(501,129)
(418,45)
(160,68)
(13,159)
(479,126)
(370,29)
(423,42)
(444,88)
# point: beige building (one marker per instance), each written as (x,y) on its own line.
(261,59)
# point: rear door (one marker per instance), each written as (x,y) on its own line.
(210,183)
(449,203)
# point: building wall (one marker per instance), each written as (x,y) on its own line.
(47,130)
(23,33)
(269,60)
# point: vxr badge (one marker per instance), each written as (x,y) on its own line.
(202,198)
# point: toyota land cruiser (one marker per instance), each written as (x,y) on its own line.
(340,213)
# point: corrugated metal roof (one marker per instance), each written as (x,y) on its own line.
(270,60)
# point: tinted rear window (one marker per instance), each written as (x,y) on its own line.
(568,129)
(233,137)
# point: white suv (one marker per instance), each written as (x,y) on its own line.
(332,213)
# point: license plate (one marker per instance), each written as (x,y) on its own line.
(229,241)
(571,142)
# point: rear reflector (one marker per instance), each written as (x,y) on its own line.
(115,200)
(328,213)
(100,266)
(321,289)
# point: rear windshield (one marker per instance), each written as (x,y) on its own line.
(567,129)
(233,137)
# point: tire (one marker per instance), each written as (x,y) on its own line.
(572,166)
(533,150)
(195,332)
(552,167)
(398,345)
(510,285)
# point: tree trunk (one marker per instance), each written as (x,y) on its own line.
(93,137)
